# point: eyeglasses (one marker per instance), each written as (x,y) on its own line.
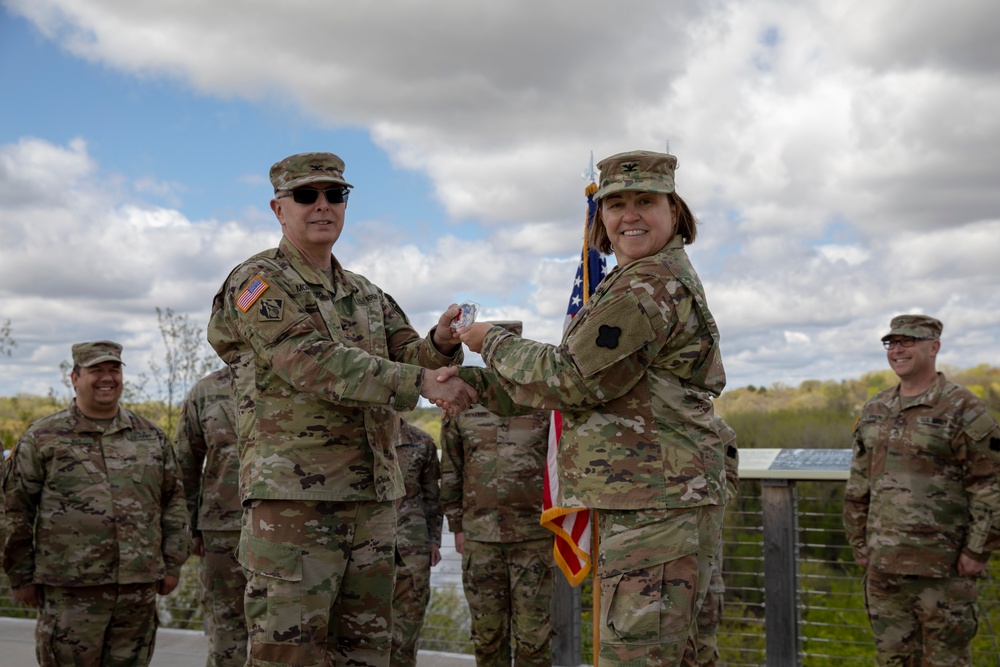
(902,342)
(310,195)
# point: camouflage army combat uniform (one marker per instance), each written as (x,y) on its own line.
(924,488)
(320,368)
(205,442)
(492,481)
(419,518)
(634,378)
(96,516)
(710,614)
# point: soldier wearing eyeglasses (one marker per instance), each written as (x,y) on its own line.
(322,360)
(922,505)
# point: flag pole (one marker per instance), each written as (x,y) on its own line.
(595,610)
(573,548)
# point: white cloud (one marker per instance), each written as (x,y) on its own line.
(851,255)
(88,264)
(841,157)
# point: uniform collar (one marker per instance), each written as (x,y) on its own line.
(929,397)
(85,424)
(315,276)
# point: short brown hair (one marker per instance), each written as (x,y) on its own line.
(687,225)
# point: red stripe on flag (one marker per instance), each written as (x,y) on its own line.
(571,525)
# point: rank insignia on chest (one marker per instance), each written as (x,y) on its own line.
(608,336)
(270,310)
(251,293)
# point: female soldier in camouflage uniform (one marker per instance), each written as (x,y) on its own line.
(634,377)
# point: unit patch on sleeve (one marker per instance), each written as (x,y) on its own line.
(252,292)
(270,310)
(608,336)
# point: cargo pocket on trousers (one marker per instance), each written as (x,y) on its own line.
(274,590)
(651,605)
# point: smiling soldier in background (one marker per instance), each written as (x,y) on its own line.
(97,522)
(922,506)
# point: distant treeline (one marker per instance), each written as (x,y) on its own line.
(817,413)
(821,414)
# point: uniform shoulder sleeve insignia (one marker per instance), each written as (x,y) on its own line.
(608,336)
(251,293)
(616,329)
(981,426)
(270,310)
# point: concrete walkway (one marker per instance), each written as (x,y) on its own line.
(174,648)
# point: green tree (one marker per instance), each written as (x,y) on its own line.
(186,360)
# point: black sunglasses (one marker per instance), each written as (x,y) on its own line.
(309,195)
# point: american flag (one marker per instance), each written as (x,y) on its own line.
(256,287)
(572,525)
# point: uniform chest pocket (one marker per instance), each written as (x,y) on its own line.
(138,458)
(933,434)
(84,454)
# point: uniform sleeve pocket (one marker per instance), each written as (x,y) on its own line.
(980,427)
(609,334)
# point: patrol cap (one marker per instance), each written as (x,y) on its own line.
(513,326)
(91,354)
(915,326)
(645,171)
(305,168)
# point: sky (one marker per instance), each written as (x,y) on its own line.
(842,158)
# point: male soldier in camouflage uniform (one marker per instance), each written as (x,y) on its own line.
(710,614)
(322,358)
(205,443)
(492,481)
(922,505)
(97,523)
(418,539)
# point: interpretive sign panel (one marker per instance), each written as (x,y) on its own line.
(798,464)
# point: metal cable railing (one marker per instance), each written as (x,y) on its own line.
(833,625)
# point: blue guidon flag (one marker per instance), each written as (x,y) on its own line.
(252,292)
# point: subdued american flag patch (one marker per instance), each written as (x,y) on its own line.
(252,292)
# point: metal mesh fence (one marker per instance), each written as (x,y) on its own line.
(834,628)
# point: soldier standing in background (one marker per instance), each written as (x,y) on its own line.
(418,539)
(97,523)
(205,444)
(922,505)
(710,614)
(492,481)
(322,360)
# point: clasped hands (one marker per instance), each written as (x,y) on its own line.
(443,387)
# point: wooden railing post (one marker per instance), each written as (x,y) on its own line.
(781,572)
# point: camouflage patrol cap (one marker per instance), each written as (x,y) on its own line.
(91,354)
(915,326)
(305,168)
(645,171)
(513,326)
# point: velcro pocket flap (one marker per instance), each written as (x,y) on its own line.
(652,545)
(620,328)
